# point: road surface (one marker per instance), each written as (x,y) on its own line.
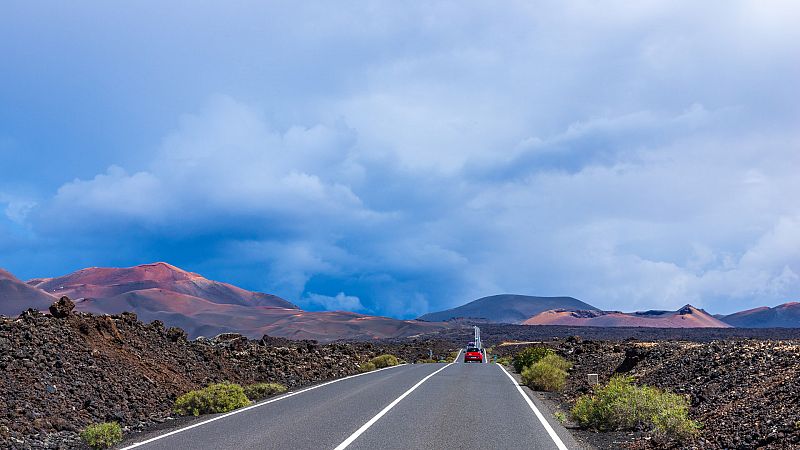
(418,406)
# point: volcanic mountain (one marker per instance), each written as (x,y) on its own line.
(105,283)
(203,307)
(16,296)
(786,315)
(686,317)
(507,308)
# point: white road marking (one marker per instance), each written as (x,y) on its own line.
(536,411)
(247,408)
(457,355)
(388,407)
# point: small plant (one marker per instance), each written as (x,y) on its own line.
(366,367)
(548,374)
(504,360)
(560,417)
(557,362)
(102,435)
(621,405)
(528,357)
(426,361)
(216,398)
(378,362)
(384,361)
(260,391)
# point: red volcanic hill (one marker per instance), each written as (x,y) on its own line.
(203,307)
(16,296)
(786,315)
(686,317)
(105,282)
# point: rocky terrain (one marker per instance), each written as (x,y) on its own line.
(66,370)
(745,392)
(496,333)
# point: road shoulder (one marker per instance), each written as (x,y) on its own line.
(179,424)
(548,409)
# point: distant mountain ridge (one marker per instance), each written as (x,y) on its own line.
(16,296)
(686,317)
(786,315)
(202,307)
(108,282)
(507,308)
(160,291)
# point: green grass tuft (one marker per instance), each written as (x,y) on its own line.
(102,435)
(216,398)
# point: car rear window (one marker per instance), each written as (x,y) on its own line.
(472,350)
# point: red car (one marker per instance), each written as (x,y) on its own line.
(473,354)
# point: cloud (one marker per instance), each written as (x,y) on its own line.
(17,209)
(226,161)
(417,157)
(339,302)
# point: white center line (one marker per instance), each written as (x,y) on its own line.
(536,411)
(388,407)
(257,405)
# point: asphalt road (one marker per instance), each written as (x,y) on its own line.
(420,406)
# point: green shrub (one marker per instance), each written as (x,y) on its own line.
(260,391)
(426,361)
(102,435)
(528,357)
(620,405)
(549,374)
(384,361)
(557,362)
(378,362)
(366,367)
(504,360)
(216,398)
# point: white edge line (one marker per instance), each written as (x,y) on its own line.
(372,421)
(247,408)
(550,430)
(457,355)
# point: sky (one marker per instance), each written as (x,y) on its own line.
(397,158)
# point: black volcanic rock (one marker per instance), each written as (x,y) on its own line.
(507,308)
(61,374)
(62,308)
(745,393)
